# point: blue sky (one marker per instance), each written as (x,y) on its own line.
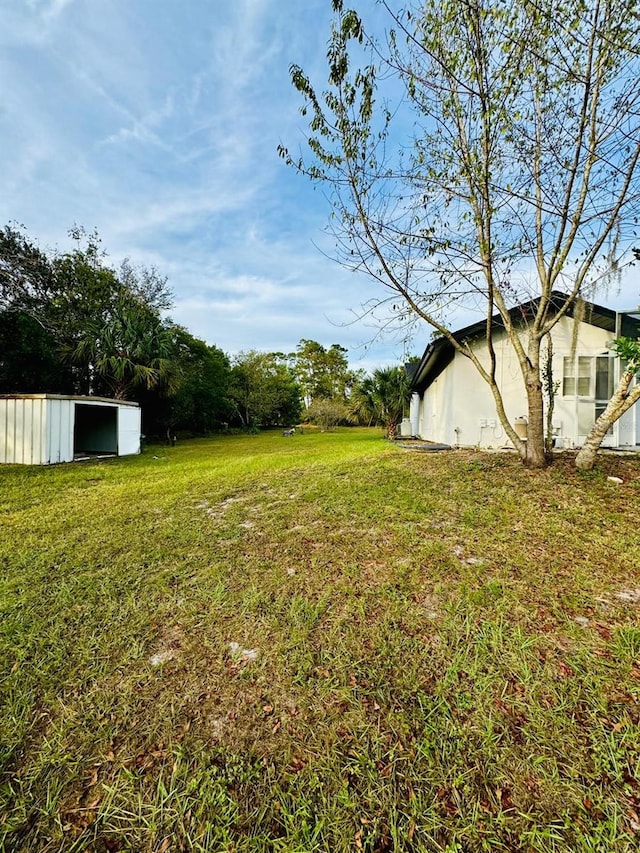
(157,123)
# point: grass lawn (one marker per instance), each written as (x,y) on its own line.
(322,643)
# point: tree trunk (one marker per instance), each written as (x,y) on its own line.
(616,407)
(535,456)
(549,388)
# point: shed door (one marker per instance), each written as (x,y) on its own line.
(128,430)
(95,429)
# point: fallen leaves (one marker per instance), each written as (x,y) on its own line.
(146,760)
(503,796)
(603,630)
(633,820)
(565,670)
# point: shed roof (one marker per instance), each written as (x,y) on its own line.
(76,398)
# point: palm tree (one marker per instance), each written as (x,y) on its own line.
(381,398)
(130,348)
(362,404)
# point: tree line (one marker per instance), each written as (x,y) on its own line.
(71,323)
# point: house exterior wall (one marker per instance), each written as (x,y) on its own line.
(38,429)
(458,407)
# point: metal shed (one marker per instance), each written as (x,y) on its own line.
(41,429)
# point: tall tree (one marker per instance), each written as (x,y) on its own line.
(514,175)
(29,357)
(201,402)
(39,300)
(263,390)
(80,308)
(26,274)
(321,373)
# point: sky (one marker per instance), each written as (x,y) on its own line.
(157,123)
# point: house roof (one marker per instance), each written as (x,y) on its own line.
(440,352)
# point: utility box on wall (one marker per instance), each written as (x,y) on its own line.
(42,429)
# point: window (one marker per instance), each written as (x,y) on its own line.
(585,385)
(569,378)
(594,377)
(604,377)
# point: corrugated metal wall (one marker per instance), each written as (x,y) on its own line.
(60,431)
(23,433)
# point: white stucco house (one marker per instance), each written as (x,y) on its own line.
(451,404)
(42,429)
